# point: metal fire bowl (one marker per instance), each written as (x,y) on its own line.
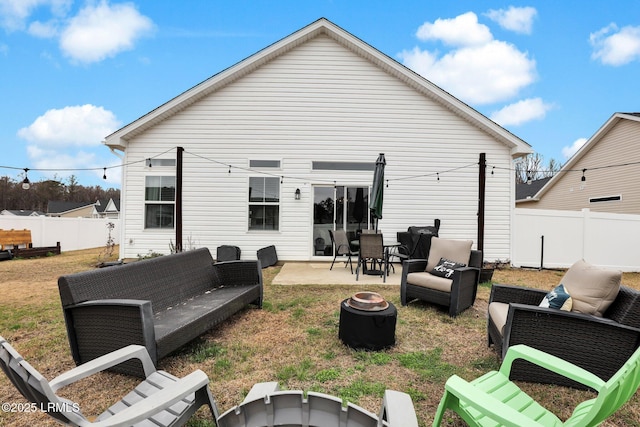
(368,301)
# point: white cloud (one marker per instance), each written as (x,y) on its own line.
(463,30)
(14,14)
(521,112)
(102,31)
(43,30)
(483,74)
(517,19)
(569,151)
(84,125)
(70,138)
(613,46)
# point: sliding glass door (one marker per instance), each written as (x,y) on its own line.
(338,208)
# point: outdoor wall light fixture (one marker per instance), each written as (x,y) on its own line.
(26,184)
(297,194)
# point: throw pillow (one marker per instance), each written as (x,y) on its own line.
(558,298)
(445,268)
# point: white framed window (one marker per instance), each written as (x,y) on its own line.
(264,203)
(159,202)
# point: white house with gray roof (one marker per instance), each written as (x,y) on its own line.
(280,147)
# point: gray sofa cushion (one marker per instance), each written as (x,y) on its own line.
(592,288)
(498,313)
(454,250)
(428,280)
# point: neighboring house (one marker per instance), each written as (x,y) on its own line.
(107,209)
(280,148)
(70,209)
(610,164)
(21,212)
(527,190)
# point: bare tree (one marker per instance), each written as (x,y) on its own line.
(531,168)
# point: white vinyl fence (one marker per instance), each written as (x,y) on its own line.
(72,233)
(556,239)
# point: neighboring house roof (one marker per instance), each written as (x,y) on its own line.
(119,139)
(21,212)
(107,205)
(59,207)
(570,164)
(528,190)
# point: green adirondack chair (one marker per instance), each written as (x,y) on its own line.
(493,400)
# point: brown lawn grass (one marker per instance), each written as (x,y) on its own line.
(293,340)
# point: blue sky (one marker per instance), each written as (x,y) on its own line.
(552,72)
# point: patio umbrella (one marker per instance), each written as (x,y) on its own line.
(377,189)
(358,206)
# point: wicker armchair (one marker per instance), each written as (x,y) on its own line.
(458,292)
(600,345)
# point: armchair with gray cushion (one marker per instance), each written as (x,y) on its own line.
(454,286)
(599,331)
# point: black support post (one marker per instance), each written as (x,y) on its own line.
(179,199)
(481,198)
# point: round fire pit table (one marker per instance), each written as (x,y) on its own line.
(368,329)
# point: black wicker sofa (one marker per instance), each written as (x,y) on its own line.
(601,344)
(161,303)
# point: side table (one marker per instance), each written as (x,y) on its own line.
(369,330)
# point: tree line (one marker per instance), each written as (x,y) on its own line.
(14,197)
(532,167)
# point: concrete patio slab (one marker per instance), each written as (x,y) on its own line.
(318,273)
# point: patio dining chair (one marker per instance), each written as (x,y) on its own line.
(493,399)
(160,400)
(372,249)
(341,247)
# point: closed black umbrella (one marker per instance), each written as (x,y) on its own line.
(358,206)
(377,189)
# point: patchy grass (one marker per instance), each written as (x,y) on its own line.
(293,339)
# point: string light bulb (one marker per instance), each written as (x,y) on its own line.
(584,178)
(104,173)
(26,184)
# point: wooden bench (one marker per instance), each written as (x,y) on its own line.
(9,239)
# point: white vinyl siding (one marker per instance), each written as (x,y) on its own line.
(321,102)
